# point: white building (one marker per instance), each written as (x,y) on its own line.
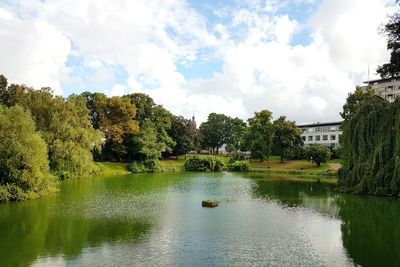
(328,133)
(388,89)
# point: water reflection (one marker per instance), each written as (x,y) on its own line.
(369,225)
(157,219)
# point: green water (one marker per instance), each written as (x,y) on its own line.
(157,219)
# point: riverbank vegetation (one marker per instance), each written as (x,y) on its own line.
(70,135)
(371,139)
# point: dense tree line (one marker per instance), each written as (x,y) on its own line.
(260,135)
(66,136)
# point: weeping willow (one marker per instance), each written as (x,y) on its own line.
(371,142)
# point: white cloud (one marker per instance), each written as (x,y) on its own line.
(32,52)
(147,39)
(118,90)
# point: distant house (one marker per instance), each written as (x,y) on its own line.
(328,133)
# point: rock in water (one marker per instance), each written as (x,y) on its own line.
(209,203)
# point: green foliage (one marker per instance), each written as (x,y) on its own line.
(214,131)
(318,154)
(185,135)
(298,152)
(24,167)
(286,138)
(145,166)
(259,135)
(370,149)
(392,32)
(237,156)
(235,130)
(239,166)
(154,123)
(204,163)
(354,101)
(64,125)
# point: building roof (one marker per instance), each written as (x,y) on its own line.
(320,124)
(385,80)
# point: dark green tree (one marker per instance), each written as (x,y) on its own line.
(149,115)
(286,137)
(259,135)
(185,135)
(318,154)
(214,131)
(235,131)
(354,101)
(370,149)
(392,32)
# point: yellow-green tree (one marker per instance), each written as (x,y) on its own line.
(24,167)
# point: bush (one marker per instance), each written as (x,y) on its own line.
(237,156)
(298,152)
(150,165)
(204,163)
(239,166)
(318,154)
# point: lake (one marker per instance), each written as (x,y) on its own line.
(157,219)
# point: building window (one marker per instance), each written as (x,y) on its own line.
(333,145)
(310,138)
(325,137)
(317,138)
(318,129)
(303,138)
(333,137)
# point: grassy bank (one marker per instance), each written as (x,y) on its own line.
(298,169)
(113,168)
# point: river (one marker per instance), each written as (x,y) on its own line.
(157,219)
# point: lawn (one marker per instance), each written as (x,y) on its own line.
(273,165)
(113,168)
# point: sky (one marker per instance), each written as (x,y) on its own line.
(298,58)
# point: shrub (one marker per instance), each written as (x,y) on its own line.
(237,156)
(150,165)
(318,153)
(239,166)
(204,163)
(298,152)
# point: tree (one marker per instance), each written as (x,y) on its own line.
(115,117)
(259,135)
(63,124)
(149,115)
(370,149)
(185,135)
(354,101)
(286,137)
(24,167)
(392,32)
(235,130)
(318,154)
(214,131)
